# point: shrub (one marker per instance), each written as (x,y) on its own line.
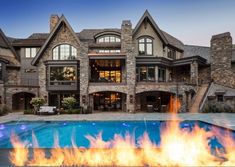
(4,110)
(37,102)
(69,102)
(29,111)
(72,111)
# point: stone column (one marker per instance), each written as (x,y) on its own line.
(156,73)
(194,73)
(127,48)
(221,57)
(84,76)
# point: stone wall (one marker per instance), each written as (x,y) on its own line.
(128,47)
(63,35)
(204,75)
(221,57)
(10,91)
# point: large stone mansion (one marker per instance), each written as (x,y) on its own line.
(132,68)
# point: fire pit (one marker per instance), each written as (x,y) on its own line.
(117,143)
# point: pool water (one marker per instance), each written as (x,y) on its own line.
(45,131)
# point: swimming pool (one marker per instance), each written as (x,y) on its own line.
(45,131)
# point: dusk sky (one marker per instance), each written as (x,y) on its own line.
(191,21)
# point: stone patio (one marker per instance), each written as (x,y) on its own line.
(221,119)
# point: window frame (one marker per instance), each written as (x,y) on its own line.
(171,53)
(117,39)
(138,74)
(30,52)
(220,98)
(70,56)
(145,43)
(159,72)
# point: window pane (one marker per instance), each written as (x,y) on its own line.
(141,49)
(118,40)
(106,39)
(74,53)
(33,52)
(141,40)
(62,74)
(149,49)
(143,73)
(101,40)
(112,39)
(161,75)
(148,40)
(151,73)
(64,52)
(56,53)
(27,52)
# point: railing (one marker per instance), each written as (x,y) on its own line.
(204,97)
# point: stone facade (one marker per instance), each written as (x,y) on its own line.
(221,59)
(183,75)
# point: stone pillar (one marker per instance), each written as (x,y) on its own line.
(221,57)
(194,73)
(127,48)
(53,21)
(84,75)
(156,73)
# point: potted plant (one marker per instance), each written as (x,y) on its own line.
(69,103)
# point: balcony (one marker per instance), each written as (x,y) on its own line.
(107,71)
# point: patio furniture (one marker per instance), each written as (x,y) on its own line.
(47,110)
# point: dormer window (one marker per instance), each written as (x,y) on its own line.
(108,39)
(64,52)
(171,53)
(145,46)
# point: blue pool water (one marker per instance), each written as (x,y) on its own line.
(44,131)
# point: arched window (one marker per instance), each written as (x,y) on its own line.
(64,52)
(108,39)
(145,46)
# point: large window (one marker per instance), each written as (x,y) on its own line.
(145,46)
(30,52)
(106,70)
(108,39)
(171,53)
(64,52)
(145,73)
(1,71)
(62,75)
(161,75)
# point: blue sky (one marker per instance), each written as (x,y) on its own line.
(192,21)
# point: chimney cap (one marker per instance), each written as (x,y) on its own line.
(126,22)
(222,35)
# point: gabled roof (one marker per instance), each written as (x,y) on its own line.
(61,21)
(4,42)
(145,16)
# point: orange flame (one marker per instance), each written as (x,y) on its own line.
(178,147)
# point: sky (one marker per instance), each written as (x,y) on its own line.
(191,21)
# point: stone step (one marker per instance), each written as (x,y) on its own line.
(199,97)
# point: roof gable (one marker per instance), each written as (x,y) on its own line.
(6,44)
(147,17)
(61,21)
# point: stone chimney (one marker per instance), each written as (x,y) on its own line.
(221,59)
(53,21)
